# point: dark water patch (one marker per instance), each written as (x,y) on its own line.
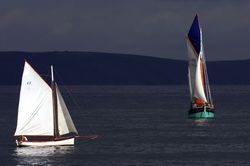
(139,125)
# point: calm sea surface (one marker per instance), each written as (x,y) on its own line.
(138,125)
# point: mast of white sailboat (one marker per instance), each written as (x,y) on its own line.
(54,102)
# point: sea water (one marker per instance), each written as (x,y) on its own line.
(138,125)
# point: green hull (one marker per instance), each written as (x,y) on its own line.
(204,113)
(201,115)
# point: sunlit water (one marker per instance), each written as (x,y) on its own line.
(139,125)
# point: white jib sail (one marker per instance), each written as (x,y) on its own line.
(65,123)
(35,110)
(199,89)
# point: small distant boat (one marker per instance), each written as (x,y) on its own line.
(201,100)
(43,117)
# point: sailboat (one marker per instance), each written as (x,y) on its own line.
(43,117)
(201,100)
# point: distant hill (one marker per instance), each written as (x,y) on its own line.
(90,68)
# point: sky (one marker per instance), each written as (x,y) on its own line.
(145,27)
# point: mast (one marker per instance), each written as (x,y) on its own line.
(207,82)
(54,103)
(207,91)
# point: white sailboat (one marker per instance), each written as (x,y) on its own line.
(201,100)
(43,118)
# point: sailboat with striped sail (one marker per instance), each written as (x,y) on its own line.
(201,100)
(43,117)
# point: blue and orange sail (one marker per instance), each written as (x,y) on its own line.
(194,35)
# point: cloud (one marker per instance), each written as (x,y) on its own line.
(145,27)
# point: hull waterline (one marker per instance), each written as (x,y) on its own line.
(64,142)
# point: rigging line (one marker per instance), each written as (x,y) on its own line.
(69,92)
(207,80)
(46,76)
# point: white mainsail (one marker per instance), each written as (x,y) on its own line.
(35,111)
(190,85)
(192,63)
(65,123)
(199,86)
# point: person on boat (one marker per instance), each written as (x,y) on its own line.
(23,138)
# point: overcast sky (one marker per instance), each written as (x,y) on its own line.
(144,27)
